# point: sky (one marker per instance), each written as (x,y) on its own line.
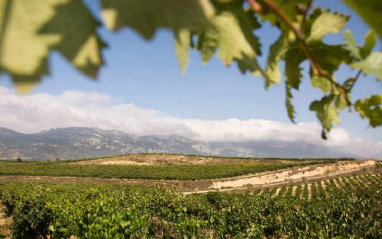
(141,91)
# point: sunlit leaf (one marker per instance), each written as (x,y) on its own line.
(325,22)
(325,112)
(372,65)
(30,29)
(351,44)
(182,46)
(207,44)
(79,43)
(371,108)
(23,52)
(289,49)
(146,17)
(276,54)
(231,35)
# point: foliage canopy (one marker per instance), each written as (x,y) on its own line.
(30,30)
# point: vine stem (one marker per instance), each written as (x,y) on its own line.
(352,85)
(308,6)
(316,68)
(355,80)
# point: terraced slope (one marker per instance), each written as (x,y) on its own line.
(364,184)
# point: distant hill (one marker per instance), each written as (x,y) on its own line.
(70,143)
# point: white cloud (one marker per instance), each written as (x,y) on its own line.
(33,113)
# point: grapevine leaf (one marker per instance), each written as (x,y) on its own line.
(79,40)
(288,8)
(370,41)
(293,59)
(330,58)
(325,112)
(146,17)
(371,108)
(182,46)
(321,82)
(371,65)
(340,102)
(232,33)
(351,44)
(288,102)
(324,23)
(208,43)
(370,12)
(289,49)
(26,39)
(23,53)
(276,54)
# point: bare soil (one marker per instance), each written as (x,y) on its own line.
(165,159)
(295,174)
(5,223)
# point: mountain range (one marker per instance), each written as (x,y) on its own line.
(82,142)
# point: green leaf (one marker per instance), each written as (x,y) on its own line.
(182,46)
(81,47)
(291,9)
(370,12)
(340,102)
(276,54)
(329,57)
(289,49)
(372,65)
(30,29)
(351,44)
(371,108)
(293,58)
(232,34)
(208,43)
(146,17)
(325,112)
(288,102)
(322,83)
(370,40)
(23,53)
(324,23)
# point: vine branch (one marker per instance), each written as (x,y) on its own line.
(306,11)
(355,80)
(316,68)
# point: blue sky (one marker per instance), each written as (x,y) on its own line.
(147,74)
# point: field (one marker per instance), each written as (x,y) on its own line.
(154,198)
(348,207)
(155,166)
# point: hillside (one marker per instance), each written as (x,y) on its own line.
(71,143)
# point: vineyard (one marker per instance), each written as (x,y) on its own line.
(178,172)
(346,207)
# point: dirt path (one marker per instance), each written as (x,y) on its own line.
(295,175)
(5,223)
(294,191)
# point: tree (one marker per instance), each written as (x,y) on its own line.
(30,30)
